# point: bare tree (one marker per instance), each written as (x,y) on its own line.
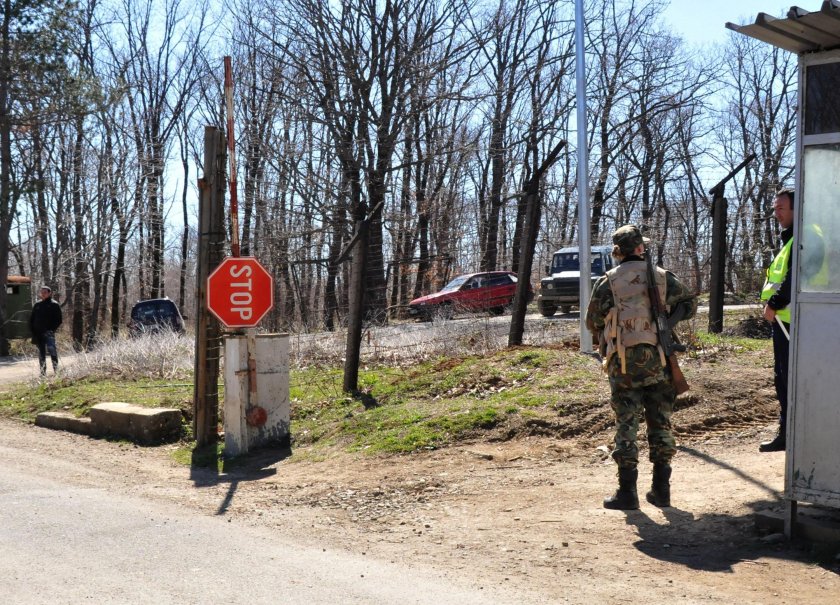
(160,72)
(33,41)
(760,117)
(616,34)
(506,41)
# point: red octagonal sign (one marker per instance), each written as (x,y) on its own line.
(240,292)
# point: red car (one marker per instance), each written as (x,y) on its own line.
(491,291)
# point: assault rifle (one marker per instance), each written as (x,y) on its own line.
(664,333)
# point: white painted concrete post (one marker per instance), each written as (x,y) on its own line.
(272,392)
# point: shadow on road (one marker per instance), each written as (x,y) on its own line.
(736,471)
(259,464)
(713,542)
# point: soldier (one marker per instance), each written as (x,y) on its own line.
(620,315)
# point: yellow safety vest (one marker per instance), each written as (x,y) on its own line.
(776,273)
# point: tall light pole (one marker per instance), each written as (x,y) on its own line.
(584,252)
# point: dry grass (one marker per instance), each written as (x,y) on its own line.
(409,342)
(165,356)
(399,344)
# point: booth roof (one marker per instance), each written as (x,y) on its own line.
(801,32)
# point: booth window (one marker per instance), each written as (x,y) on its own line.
(822,98)
(819,252)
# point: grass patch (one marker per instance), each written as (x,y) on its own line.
(400,431)
(210,456)
(431,404)
(428,405)
(534,358)
(77,397)
(400,408)
(723,342)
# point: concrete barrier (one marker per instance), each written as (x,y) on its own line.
(135,422)
(118,419)
(63,421)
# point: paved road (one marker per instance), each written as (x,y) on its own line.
(21,369)
(17,369)
(67,544)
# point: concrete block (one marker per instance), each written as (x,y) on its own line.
(134,422)
(813,524)
(63,421)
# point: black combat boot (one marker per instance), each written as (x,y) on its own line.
(660,487)
(625,497)
(776,445)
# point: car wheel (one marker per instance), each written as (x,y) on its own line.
(497,310)
(547,310)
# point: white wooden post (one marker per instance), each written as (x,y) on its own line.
(271,357)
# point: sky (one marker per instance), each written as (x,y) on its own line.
(703,21)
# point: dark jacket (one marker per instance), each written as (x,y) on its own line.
(45,317)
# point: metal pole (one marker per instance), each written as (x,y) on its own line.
(234,206)
(584,252)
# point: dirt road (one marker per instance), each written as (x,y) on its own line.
(522,515)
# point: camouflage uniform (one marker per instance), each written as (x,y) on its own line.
(646,385)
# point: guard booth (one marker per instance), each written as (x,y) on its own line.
(18,307)
(812,472)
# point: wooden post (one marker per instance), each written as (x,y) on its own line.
(716,282)
(211,241)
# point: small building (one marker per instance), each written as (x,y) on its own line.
(812,471)
(18,307)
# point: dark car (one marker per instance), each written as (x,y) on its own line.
(561,288)
(154,316)
(492,291)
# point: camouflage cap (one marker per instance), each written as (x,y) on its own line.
(628,237)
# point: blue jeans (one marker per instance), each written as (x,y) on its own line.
(46,343)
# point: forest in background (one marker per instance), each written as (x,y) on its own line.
(426,118)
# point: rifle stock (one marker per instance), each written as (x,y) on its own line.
(680,383)
(663,330)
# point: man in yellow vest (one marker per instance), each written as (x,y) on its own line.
(776,296)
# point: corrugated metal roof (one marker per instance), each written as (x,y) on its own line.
(801,32)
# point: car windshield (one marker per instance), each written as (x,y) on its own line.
(569,261)
(455,283)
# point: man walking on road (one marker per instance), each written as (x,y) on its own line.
(43,322)
(620,311)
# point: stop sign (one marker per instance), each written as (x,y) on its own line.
(240,292)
